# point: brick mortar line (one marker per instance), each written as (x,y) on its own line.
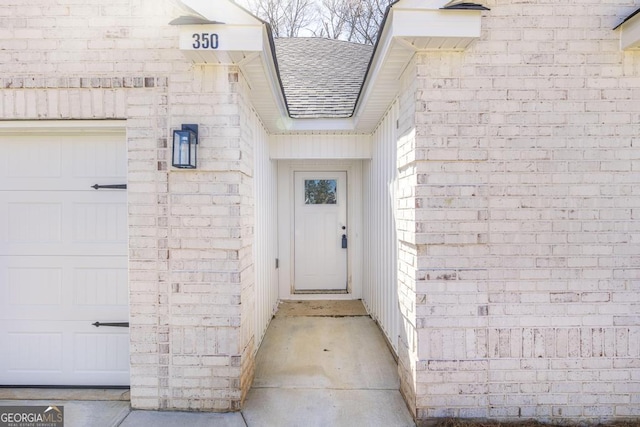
(137,82)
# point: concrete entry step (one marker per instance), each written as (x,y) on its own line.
(321,308)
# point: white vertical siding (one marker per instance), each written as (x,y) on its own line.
(265,181)
(380,290)
(311,146)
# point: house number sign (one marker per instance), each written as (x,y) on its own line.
(205,40)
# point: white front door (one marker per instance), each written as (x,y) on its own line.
(63,260)
(320,232)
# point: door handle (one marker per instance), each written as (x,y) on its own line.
(344,241)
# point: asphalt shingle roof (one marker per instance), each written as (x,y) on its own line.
(321,78)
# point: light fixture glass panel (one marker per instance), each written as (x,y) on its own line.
(184,149)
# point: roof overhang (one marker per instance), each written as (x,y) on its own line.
(443,29)
(223,33)
(412,26)
(409,26)
(630,32)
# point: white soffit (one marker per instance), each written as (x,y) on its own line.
(243,40)
(227,34)
(218,32)
(445,29)
(411,27)
(630,32)
(265,87)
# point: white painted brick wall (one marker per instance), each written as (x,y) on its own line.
(517,205)
(405,229)
(525,236)
(190,232)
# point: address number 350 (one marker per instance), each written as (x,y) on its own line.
(205,40)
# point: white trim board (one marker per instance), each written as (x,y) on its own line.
(63,126)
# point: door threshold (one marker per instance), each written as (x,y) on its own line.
(320,292)
(321,308)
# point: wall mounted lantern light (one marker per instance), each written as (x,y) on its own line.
(185,142)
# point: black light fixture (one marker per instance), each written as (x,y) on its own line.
(185,143)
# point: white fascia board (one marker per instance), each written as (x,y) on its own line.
(222,11)
(238,38)
(377,62)
(630,34)
(416,19)
(238,31)
(437,23)
(269,62)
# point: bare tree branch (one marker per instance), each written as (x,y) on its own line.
(299,14)
(334,15)
(366,19)
(353,20)
(287,17)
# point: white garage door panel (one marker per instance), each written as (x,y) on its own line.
(31,159)
(62,162)
(63,260)
(64,288)
(63,222)
(60,350)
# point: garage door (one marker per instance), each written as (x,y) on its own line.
(63,259)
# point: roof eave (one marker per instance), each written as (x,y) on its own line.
(245,41)
(627,19)
(408,28)
(630,32)
(465,6)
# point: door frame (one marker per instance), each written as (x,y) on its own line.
(286,209)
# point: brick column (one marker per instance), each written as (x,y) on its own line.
(196,319)
(407,250)
(442,226)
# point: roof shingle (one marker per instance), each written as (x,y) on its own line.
(321,77)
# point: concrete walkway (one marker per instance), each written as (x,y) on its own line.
(319,365)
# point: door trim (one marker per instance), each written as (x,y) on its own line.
(286,214)
(337,282)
